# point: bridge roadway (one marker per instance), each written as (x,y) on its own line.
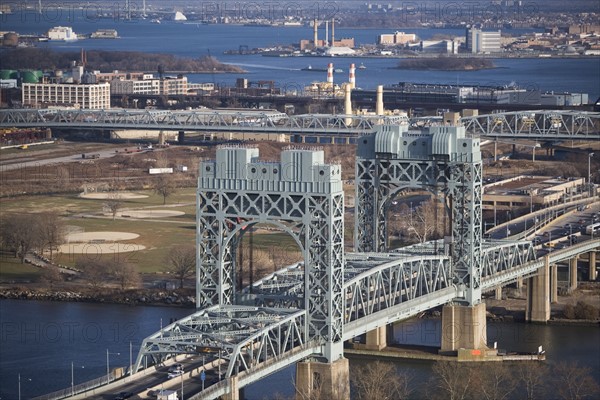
(268,333)
(535,124)
(380,288)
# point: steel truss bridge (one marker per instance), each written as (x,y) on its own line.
(310,308)
(535,124)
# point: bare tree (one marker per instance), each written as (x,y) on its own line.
(20,234)
(424,223)
(94,272)
(114,203)
(51,275)
(52,231)
(532,376)
(573,382)
(380,381)
(450,381)
(494,382)
(181,262)
(125,274)
(165,186)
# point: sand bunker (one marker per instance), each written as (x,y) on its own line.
(151,213)
(98,249)
(100,236)
(108,195)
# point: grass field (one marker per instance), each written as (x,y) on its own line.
(157,235)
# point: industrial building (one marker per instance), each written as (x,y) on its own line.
(64,33)
(89,96)
(396,38)
(479,41)
(148,84)
(534,192)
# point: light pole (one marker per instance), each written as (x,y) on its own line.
(107,365)
(73,378)
(590,155)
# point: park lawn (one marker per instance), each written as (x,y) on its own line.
(11,270)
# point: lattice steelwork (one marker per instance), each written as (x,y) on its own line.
(441,160)
(263,121)
(536,124)
(301,195)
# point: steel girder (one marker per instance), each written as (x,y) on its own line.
(243,336)
(532,267)
(314,218)
(503,255)
(196,120)
(536,124)
(379,179)
(393,283)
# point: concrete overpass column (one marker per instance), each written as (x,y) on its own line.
(592,265)
(573,273)
(498,293)
(520,283)
(538,295)
(377,339)
(554,284)
(317,380)
(48,133)
(234,390)
(463,327)
(181,137)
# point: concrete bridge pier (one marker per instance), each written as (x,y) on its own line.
(538,295)
(319,380)
(554,284)
(463,327)
(235,392)
(592,266)
(498,293)
(573,273)
(376,339)
(181,137)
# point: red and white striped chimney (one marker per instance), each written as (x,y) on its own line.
(330,73)
(352,76)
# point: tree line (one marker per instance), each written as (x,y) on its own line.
(107,61)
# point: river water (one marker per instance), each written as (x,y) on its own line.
(194,40)
(40,340)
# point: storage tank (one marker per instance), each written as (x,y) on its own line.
(31,76)
(8,74)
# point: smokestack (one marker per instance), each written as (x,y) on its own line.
(332,32)
(330,73)
(348,105)
(352,76)
(379,104)
(326,43)
(315,33)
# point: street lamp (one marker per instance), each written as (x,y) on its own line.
(590,155)
(107,365)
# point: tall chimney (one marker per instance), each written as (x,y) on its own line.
(332,32)
(348,105)
(330,73)
(352,76)
(326,43)
(379,104)
(315,33)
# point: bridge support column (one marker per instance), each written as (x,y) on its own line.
(463,327)
(592,265)
(538,295)
(181,137)
(234,390)
(554,284)
(377,339)
(520,283)
(498,293)
(573,273)
(323,380)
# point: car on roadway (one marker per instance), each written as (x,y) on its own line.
(175,367)
(549,244)
(124,395)
(175,374)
